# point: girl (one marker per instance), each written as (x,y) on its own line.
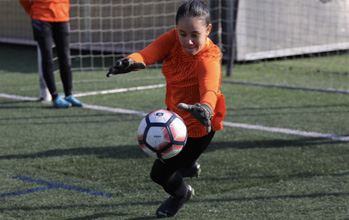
(50,22)
(192,68)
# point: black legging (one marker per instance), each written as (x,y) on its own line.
(45,33)
(165,172)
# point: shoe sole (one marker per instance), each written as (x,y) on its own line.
(166,214)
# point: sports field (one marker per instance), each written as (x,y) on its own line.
(283,154)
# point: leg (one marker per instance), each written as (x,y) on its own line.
(62,39)
(167,173)
(191,171)
(43,35)
(192,151)
(168,177)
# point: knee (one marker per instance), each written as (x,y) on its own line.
(159,179)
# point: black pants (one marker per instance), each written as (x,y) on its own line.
(165,172)
(45,33)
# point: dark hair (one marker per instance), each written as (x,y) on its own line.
(194,8)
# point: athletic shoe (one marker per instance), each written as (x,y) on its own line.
(59,102)
(71,99)
(191,172)
(172,205)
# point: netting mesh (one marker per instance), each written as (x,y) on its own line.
(293,43)
(103,29)
(267,30)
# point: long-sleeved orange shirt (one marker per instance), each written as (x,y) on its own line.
(190,79)
(47,10)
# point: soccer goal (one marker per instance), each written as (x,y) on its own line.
(296,44)
(293,44)
(301,44)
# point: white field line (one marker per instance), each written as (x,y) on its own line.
(103,92)
(286,131)
(114,110)
(227,124)
(16,97)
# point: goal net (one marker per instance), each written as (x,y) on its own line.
(304,44)
(104,30)
(284,43)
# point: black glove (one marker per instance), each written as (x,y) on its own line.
(202,112)
(124,65)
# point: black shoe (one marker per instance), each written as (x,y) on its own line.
(191,172)
(172,205)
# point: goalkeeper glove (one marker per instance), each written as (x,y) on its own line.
(124,65)
(202,112)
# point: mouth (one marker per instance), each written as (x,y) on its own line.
(190,50)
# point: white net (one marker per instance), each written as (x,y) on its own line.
(270,28)
(289,43)
(295,43)
(102,30)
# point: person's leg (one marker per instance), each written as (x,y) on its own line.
(168,177)
(172,182)
(61,37)
(191,171)
(166,173)
(191,153)
(43,35)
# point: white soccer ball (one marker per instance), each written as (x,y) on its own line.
(162,134)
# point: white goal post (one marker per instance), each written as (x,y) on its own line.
(44,94)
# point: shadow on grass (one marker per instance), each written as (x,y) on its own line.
(18,104)
(122,152)
(134,152)
(89,207)
(277,197)
(135,204)
(97,216)
(75,118)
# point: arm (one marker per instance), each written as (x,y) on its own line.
(209,77)
(26,4)
(209,82)
(157,50)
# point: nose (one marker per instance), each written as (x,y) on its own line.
(189,41)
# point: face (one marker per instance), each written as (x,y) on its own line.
(192,34)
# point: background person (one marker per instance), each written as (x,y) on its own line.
(50,22)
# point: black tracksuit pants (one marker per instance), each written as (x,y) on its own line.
(166,173)
(47,33)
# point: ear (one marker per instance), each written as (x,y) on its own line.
(208,29)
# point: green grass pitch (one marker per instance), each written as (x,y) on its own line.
(246,174)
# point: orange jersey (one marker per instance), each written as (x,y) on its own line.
(190,79)
(47,10)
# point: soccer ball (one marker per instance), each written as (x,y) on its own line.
(162,134)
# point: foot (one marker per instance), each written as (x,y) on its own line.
(191,172)
(59,102)
(71,99)
(172,205)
